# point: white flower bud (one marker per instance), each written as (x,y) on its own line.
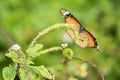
(64,45)
(16,47)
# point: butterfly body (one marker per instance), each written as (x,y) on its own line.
(86,39)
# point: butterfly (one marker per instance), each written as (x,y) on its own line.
(86,38)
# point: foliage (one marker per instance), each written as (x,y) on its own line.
(9,73)
(22,19)
(26,72)
(23,61)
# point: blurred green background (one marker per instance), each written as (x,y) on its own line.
(23,19)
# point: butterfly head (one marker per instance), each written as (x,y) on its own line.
(64,12)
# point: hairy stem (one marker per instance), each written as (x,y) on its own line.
(49,50)
(50,29)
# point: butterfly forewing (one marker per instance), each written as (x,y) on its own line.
(69,18)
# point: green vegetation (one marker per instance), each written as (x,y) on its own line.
(23,19)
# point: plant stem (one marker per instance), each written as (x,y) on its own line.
(6,36)
(93,65)
(49,29)
(49,50)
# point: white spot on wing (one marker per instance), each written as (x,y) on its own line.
(97,48)
(66,13)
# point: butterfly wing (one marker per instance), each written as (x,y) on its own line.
(86,38)
(69,18)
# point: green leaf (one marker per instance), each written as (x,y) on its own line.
(32,51)
(44,72)
(23,74)
(13,55)
(16,56)
(29,73)
(67,53)
(28,61)
(9,73)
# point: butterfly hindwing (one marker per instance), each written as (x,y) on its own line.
(87,39)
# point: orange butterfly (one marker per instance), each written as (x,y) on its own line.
(86,38)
